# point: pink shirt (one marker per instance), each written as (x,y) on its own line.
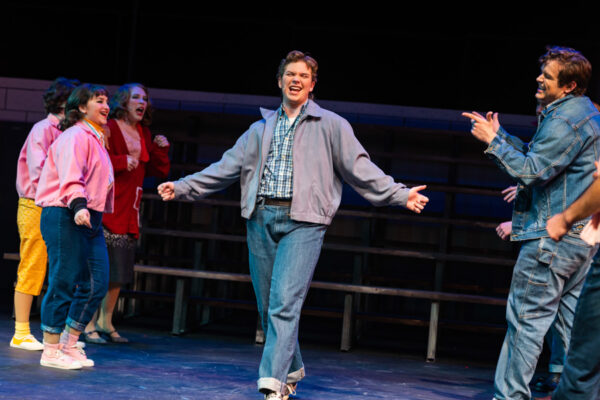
(78,165)
(33,155)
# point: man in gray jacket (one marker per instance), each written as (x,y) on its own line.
(290,165)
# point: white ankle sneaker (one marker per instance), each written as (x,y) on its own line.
(29,342)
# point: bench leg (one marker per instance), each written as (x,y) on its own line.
(201,311)
(180,311)
(347,323)
(433,331)
(259,338)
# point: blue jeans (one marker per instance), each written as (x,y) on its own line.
(282,255)
(77,269)
(545,279)
(556,339)
(581,377)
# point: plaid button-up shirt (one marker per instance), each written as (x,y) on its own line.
(276,182)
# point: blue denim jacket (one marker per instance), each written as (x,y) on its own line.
(555,168)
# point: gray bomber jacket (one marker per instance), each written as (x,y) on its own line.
(325,152)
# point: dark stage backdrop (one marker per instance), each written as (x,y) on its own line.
(376,54)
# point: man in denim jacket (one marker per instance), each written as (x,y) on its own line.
(289,198)
(552,171)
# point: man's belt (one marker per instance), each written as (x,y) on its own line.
(277,202)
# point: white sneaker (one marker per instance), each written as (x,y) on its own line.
(273,396)
(29,342)
(58,359)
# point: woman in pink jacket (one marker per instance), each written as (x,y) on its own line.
(75,188)
(32,267)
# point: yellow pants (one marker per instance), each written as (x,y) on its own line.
(32,268)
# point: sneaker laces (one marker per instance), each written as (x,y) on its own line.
(57,353)
(79,350)
(75,349)
(64,357)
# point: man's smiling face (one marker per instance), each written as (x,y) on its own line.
(296,83)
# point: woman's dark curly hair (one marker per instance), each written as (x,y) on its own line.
(118,103)
(58,93)
(80,96)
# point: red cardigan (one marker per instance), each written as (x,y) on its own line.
(154,161)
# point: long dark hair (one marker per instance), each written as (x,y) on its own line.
(80,96)
(118,103)
(58,93)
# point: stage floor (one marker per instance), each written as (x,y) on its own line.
(206,366)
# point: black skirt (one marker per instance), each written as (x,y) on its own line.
(121,256)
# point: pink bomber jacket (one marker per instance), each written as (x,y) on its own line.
(78,165)
(33,155)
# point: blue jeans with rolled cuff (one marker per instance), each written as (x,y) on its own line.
(546,280)
(283,254)
(77,269)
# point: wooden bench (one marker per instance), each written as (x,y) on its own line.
(180,307)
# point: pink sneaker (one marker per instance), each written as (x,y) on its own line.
(71,349)
(78,354)
(53,357)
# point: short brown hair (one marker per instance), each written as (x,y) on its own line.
(295,56)
(574,67)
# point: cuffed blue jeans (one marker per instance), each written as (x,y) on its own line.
(77,269)
(282,255)
(580,379)
(546,279)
